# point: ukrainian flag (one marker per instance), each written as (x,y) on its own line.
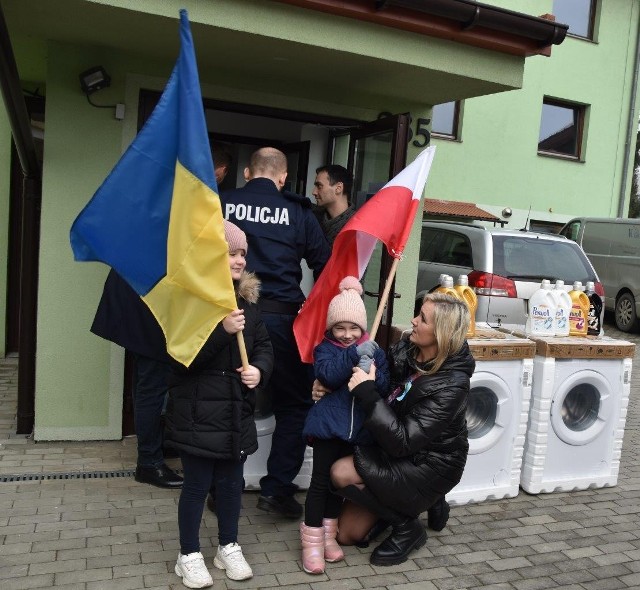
(157,218)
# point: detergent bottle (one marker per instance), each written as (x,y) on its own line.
(446,286)
(579,314)
(595,311)
(563,308)
(468,295)
(542,312)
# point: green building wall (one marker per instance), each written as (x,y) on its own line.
(496,164)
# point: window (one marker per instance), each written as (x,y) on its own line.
(445,247)
(445,120)
(561,128)
(578,14)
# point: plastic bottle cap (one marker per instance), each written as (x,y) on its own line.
(559,284)
(546,284)
(448,281)
(577,286)
(463,280)
(590,286)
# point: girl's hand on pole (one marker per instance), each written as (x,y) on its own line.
(234,322)
(250,376)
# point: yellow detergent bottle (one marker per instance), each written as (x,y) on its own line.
(446,286)
(579,314)
(468,295)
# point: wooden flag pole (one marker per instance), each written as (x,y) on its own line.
(243,351)
(384,299)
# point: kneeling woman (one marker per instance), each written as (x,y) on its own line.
(420,431)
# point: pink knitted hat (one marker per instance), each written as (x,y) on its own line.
(347,306)
(235,237)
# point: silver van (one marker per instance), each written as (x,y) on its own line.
(505,267)
(613,247)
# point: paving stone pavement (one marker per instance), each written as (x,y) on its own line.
(113,533)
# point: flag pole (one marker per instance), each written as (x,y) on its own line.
(384,299)
(243,351)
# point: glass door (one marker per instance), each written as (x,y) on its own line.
(377,151)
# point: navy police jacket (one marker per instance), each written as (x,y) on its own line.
(281,231)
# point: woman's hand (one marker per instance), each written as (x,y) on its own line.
(359,376)
(234,322)
(250,377)
(318,391)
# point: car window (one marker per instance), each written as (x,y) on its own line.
(536,259)
(445,247)
(429,240)
(571,231)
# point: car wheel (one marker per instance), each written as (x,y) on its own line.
(626,318)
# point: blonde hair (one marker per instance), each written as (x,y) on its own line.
(451,319)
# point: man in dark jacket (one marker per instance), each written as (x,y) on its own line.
(332,192)
(123,318)
(282,230)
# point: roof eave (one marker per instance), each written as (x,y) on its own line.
(462,21)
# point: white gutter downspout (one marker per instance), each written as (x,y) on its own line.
(632,128)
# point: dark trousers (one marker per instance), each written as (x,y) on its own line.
(199,473)
(148,400)
(320,502)
(290,389)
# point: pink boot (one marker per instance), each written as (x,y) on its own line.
(312,539)
(332,551)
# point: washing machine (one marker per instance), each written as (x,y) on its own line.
(497,413)
(578,413)
(255,466)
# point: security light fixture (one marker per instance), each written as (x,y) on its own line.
(94,79)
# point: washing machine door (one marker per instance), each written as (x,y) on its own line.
(581,407)
(489,411)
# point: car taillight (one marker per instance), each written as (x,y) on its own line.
(491,285)
(598,288)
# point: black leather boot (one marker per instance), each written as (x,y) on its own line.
(404,538)
(374,532)
(438,515)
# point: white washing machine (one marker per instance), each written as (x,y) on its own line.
(497,413)
(578,415)
(255,466)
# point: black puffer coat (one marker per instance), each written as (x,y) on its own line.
(210,412)
(421,440)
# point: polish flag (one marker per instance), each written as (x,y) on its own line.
(387,216)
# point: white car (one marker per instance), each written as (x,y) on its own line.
(505,267)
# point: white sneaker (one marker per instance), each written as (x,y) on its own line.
(229,558)
(193,571)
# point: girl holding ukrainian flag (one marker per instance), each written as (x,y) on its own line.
(210,422)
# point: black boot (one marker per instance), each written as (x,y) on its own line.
(438,515)
(404,538)
(376,530)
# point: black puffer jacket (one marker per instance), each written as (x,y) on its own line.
(421,440)
(210,412)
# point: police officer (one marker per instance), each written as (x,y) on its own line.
(281,230)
